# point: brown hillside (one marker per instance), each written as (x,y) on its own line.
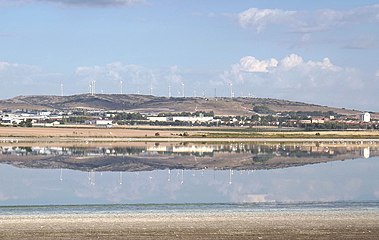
(153,104)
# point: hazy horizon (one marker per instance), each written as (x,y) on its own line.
(320,52)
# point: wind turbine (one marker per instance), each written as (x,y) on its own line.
(92,87)
(183,94)
(231,90)
(61,89)
(169,91)
(121,86)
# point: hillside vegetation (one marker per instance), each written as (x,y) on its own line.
(154,104)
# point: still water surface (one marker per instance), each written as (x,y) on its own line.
(187,173)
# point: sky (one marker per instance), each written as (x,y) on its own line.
(322,52)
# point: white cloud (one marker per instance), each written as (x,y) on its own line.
(307,21)
(325,64)
(251,64)
(293,78)
(83,3)
(259,18)
(291,61)
(377,73)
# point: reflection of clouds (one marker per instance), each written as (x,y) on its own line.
(254,198)
(6,197)
(352,180)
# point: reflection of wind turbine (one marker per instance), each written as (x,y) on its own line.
(182,177)
(120,178)
(61,175)
(169,175)
(230,176)
(92,178)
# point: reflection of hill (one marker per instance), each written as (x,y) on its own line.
(237,156)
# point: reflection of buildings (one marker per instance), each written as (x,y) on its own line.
(235,156)
(197,150)
(366,152)
(182,149)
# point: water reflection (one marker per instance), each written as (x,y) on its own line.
(185,173)
(237,156)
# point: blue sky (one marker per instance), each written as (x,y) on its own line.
(323,52)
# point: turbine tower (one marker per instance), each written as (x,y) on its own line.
(92,87)
(169,91)
(121,86)
(183,94)
(61,89)
(231,90)
(151,89)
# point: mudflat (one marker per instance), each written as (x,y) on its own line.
(195,225)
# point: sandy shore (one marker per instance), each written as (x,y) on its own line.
(196,225)
(151,132)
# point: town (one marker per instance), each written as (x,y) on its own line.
(260,117)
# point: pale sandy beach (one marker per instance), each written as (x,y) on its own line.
(195,225)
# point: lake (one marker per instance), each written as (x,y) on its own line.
(181,173)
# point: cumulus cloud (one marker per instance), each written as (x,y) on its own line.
(294,78)
(259,18)
(86,3)
(251,64)
(304,21)
(291,61)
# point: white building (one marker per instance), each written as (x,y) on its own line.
(181,119)
(365,117)
(104,123)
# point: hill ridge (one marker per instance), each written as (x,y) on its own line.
(157,104)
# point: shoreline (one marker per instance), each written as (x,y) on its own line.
(307,224)
(355,141)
